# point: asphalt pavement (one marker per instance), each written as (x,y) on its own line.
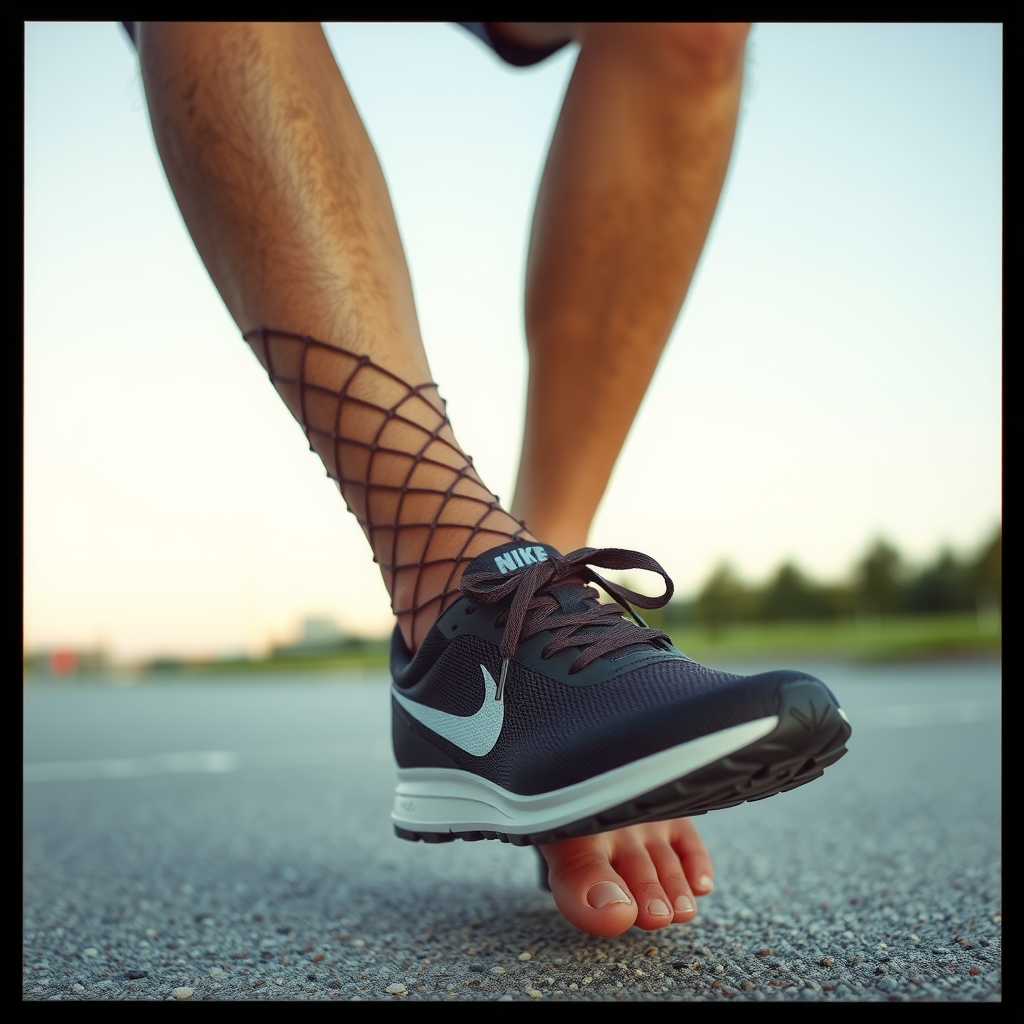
(230,839)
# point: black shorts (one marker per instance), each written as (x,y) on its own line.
(512,53)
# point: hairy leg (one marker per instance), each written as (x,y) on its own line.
(283,195)
(625,204)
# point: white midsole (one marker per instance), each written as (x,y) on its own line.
(450,800)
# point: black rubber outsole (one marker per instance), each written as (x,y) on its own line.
(810,736)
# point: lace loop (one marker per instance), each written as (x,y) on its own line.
(597,629)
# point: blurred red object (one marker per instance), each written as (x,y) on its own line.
(63,662)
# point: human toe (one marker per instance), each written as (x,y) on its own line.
(588,891)
(655,887)
(673,880)
(693,855)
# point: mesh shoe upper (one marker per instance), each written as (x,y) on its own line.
(561,722)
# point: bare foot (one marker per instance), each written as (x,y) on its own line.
(645,875)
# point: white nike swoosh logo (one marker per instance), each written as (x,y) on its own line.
(475,734)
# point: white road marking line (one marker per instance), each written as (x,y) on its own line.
(206,761)
(209,762)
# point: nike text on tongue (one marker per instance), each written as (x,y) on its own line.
(519,558)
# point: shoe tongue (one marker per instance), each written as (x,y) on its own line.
(512,557)
(517,556)
(571,599)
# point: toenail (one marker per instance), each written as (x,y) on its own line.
(706,883)
(603,894)
(659,908)
(684,904)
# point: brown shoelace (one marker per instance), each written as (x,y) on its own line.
(597,629)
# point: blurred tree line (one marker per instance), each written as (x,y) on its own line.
(881,585)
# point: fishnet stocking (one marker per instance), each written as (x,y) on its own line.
(389,447)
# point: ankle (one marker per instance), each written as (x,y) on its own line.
(427,589)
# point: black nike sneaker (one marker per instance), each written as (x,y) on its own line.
(532,713)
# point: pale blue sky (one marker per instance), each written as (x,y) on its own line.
(835,373)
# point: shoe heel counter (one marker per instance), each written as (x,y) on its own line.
(411,749)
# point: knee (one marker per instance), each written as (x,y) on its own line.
(690,53)
(712,49)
